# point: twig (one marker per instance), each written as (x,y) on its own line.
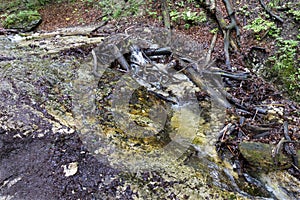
(226,48)
(276,151)
(297,168)
(229,127)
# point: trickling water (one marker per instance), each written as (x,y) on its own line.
(174,139)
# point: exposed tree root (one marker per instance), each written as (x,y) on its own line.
(270,12)
(166,14)
(210,6)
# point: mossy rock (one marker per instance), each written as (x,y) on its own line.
(24,21)
(260,155)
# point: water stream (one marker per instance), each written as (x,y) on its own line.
(121,119)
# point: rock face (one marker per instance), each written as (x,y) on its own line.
(24,21)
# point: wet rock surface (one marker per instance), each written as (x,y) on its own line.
(59,138)
(43,152)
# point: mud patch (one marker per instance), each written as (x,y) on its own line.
(31,168)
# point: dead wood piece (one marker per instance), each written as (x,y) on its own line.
(120,57)
(257,129)
(261,135)
(55,34)
(226,48)
(192,74)
(159,51)
(235,76)
(8,31)
(211,48)
(103,23)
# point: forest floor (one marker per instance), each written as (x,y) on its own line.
(263,40)
(83,12)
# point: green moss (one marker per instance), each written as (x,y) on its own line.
(260,155)
(193,17)
(113,10)
(261,26)
(274,3)
(182,13)
(22,19)
(295,13)
(285,67)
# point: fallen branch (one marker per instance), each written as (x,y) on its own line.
(197,79)
(236,76)
(120,57)
(226,48)
(8,31)
(257,129)
(239,103)
(159,51)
